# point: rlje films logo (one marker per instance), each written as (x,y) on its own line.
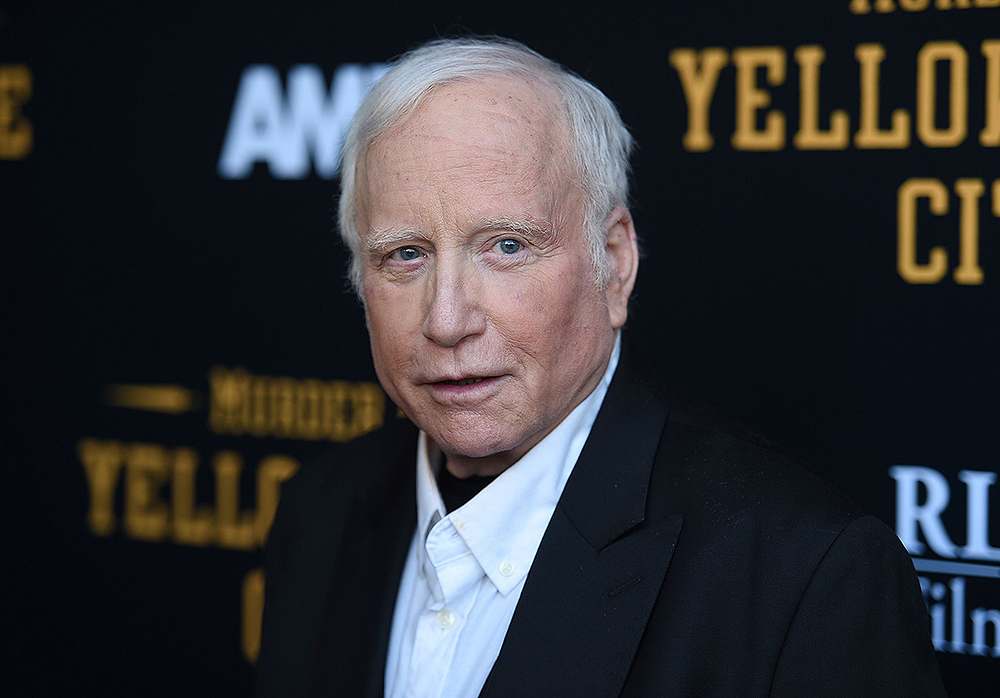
(951,574)
(297,130)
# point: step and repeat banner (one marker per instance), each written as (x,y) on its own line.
(817,187)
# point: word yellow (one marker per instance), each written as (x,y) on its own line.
(243,403)
(863,7)
(149,467)
(15,131)
(699,75)
(969,192)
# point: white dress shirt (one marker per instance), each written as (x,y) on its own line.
(465,570)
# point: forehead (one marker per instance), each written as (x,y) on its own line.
(499,131)
(493,111)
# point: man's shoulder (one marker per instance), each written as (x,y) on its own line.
(710,468)
(754,512)
(721,476)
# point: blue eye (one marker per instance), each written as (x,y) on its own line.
(509,246)
(407,254)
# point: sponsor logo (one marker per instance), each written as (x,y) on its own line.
(297,128)
(951,574)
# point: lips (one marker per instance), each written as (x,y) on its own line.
(463,381)
(465,387)
(459,379)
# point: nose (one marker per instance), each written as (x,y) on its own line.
(454,311)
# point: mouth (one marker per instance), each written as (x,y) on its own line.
(466,387)
(463,381)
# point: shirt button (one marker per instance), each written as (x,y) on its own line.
(444,619)
(506,568)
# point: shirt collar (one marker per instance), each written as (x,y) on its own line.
(504,523)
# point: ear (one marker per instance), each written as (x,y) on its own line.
(622,248)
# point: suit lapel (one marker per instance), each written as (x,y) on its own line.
(351,651)
(601,563)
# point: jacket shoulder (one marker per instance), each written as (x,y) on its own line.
(718,470)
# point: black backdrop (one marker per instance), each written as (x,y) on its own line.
(772,287)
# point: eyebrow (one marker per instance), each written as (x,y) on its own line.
(526,227)
(380,239)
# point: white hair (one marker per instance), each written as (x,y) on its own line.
(600,141)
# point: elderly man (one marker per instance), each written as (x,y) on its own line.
(547,523)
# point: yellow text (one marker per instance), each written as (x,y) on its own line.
(863,7)
(159,493)
(761,70)
(243,403)
(16,134)
(969,192)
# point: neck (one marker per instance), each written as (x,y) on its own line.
(487,466)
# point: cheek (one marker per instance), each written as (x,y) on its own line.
(383,307)
(382,327)
(394,328)
(526,306)
(371,290)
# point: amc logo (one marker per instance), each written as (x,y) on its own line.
(297,129)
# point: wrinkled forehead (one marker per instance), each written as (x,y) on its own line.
(521,119)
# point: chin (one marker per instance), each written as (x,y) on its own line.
(473,442)
(470,448)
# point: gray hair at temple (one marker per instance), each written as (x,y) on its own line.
(600,141)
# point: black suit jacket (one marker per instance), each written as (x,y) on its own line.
(680,561)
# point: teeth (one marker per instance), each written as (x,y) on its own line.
(469,381)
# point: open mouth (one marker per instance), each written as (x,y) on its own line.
(464,381)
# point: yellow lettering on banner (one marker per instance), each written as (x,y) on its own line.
(271,472)
(252,613)
(235,528)
(242,403)
(229,391)
(996,197)
(699,75)
(990,135)
(309,415)
(283,404)
(869,135)
(258,410)
(148,467)
(809,135)
(335,401)
(970,191)
(863,7)
(102,462)
(16,133)
(146,471)
(906,251)
(958,94)
(192,525)
(750,98)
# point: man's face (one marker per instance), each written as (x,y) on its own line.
(486,325)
